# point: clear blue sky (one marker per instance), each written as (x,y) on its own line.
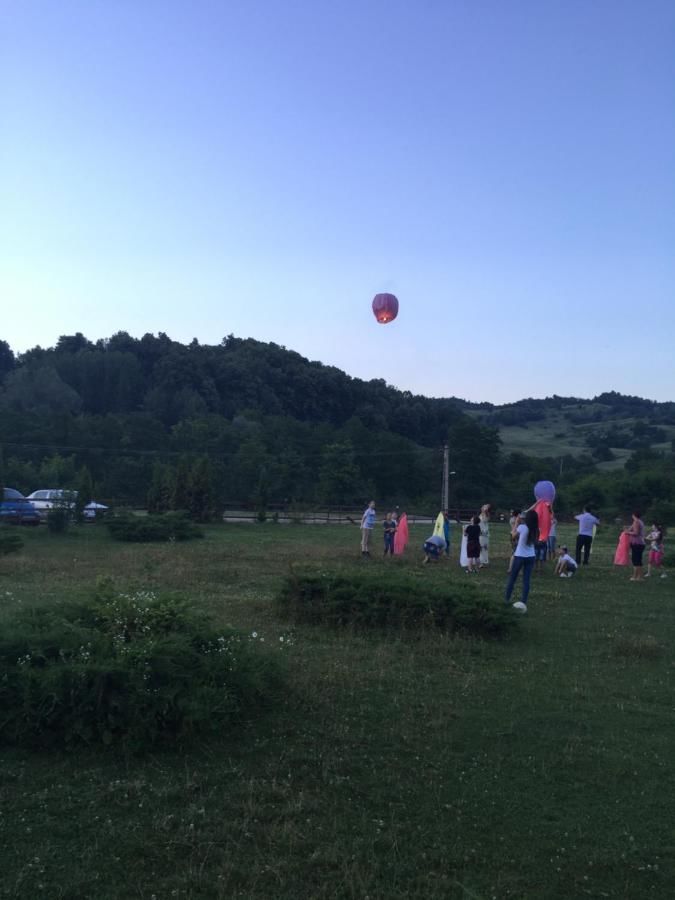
(264,168)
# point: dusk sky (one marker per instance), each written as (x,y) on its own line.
(507,169)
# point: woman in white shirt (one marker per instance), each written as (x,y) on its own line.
(527,532)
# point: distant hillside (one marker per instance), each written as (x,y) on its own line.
(610,427)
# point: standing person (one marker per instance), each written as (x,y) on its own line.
(587,522)
(472,533)
(389,533)
(484,521)
(552,532)
(527,532)
(636,530)
(513,537)
(540,551)
(401,536)
(367,525)
(656,549)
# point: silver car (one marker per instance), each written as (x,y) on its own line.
(45,500)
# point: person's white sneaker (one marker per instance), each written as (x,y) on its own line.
(520,606)
(664,575)
(563,575)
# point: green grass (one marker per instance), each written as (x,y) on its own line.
(555,435)
(435,767)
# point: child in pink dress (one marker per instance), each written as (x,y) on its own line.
(656,549)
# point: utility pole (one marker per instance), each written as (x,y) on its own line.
(446,477)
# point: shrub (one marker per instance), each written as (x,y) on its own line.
(136,669)
(10,541)
(58,519)
(171,526)
(389,601)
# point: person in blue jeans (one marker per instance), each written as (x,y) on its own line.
(527,532)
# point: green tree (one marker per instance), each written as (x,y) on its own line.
(201,499)
(180,498)
(339,476)
(85,492)
(162,488)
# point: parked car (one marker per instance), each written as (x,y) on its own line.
(45,500)
(16,509)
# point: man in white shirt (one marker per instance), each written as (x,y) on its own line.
(587,522)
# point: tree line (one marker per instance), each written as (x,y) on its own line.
(154,422)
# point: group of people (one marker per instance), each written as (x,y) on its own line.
(530,549)
(395,531)
(632,545)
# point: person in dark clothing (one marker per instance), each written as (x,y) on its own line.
(472,533)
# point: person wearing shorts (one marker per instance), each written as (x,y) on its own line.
(540,551)
(637,545)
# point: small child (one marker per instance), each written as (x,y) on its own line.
(656,549)
(389,533)
(566,566)
(552,536)
(472,533)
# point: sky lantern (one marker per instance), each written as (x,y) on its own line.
(385,308)
(544,492)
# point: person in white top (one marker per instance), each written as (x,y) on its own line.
(367,525)
(587,522)
(565,566)
(527,531)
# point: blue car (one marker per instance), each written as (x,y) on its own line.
(16,509)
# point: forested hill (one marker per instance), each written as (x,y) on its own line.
(172,382)
(267,425)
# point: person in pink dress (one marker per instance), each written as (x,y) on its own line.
(401,536)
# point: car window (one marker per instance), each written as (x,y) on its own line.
(11,494)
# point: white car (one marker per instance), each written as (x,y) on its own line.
(43,501)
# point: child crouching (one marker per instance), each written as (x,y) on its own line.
(566,566)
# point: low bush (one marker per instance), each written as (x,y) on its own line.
(10,541)
(171,526)
(136,669)
(365,600)
(58,519)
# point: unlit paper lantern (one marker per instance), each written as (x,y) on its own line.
(545,490)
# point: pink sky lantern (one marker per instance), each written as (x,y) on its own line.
(385,308)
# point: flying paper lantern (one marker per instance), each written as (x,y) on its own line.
(385,308)
(544,490)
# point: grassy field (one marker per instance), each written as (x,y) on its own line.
(438,767)
(555,435)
